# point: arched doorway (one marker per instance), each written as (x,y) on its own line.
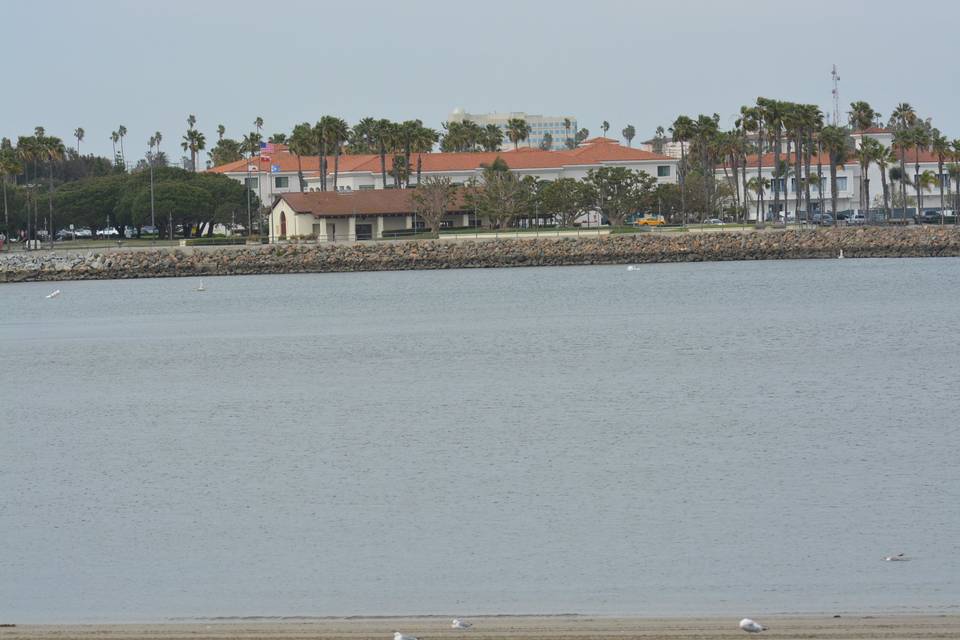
(283,225)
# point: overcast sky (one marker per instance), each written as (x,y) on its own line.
(101,63)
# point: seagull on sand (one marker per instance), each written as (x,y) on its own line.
(53,294)
(750,626)
(897,558)
(457,623)
(399,636)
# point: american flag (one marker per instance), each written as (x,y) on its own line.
(266,148)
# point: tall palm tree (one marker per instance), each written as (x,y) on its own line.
(629,132)
(301,144)
(114,138)
(492,138)
(772,112)
(836,144)
(220,131)
(53,151)
(517,131)
(606,127)
(423,141)
(884,157)
(955,172)
(258,123)
(381,133)
(812,121)
(78,133)
(122,132)
(9,166)
(751,120)
(682,131)
(920,137)
(567,126)
(904,117)
(870,150)
(941,148)
(862,117)
(337,134)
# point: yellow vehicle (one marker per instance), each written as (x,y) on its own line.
(652,221)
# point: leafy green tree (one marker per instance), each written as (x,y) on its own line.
(225,151)
(92,203)
(617,192)
(277,138)
(564,200)
(499,196)
(546,143)
(432,199)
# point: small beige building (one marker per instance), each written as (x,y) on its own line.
(349,216)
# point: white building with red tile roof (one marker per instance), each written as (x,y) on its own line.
(283,172)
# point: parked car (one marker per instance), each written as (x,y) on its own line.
(652,221)
(713,221)
(823,219)
(933,216)
(857,218)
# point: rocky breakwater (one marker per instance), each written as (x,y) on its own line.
(867,242)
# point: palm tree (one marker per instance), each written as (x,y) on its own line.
(114,137)
(836,143)
(567,126)
(52,150)
(301,144)
(904,117)
(941,147)
(955,172)
(492,137)
(194,141)
(517,130)
(920,137)
(78,133)
(812,120)
(220,131)
(870,150)
(381,134)
(883,158)
(122,132)
(750,120)
(862,117)
(423,140)
(258,123)
(9,166)
(337,134)
(606,127)
(682,130)
(629,132)
(772,113)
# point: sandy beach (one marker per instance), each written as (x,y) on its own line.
(527,627)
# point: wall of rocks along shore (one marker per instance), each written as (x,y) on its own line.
(865,242)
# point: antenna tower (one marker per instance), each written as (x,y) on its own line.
(836,96)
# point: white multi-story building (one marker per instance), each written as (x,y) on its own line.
(539,125)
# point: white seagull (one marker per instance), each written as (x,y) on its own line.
(897,558)
(399,636)
(53,294)
(750,626)
(457,623)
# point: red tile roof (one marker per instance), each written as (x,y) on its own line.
(874,130)
(334,204)
(594,152)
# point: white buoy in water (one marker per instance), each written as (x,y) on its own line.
(631,268)
(200,288)
(53,294)
(750,626)
(897,558)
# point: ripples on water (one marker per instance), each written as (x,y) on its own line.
(691,438)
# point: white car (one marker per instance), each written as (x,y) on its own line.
(857,218)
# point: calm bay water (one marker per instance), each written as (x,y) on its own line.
(736,438)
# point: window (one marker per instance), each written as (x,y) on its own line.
(945,180)
(782,183)
(281,182)
(251,183)
(663,171)
(842,183)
